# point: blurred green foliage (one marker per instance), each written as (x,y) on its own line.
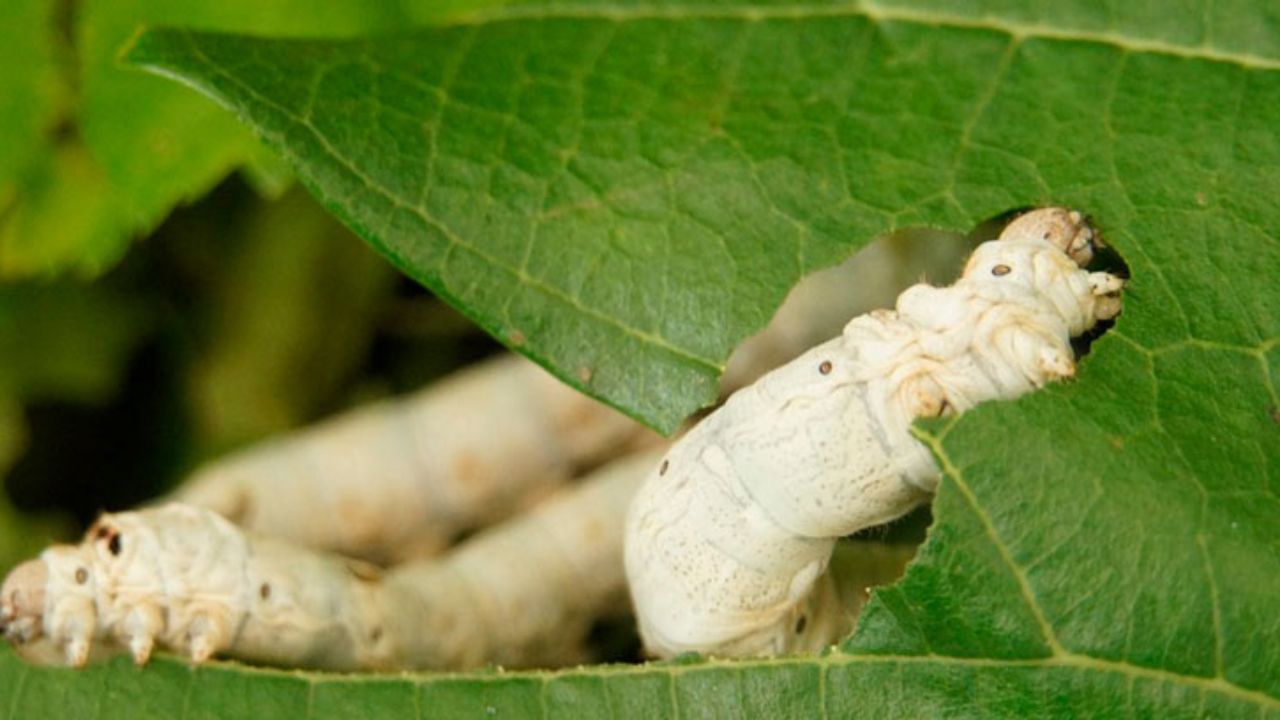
(244,314)
(240,317)
(95,154)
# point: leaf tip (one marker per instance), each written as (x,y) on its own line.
(146,48)
(131,54)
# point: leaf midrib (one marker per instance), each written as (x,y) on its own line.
(835,658)
(874,13)
(1059,655)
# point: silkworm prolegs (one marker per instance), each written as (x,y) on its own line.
(728,543)
(183,578)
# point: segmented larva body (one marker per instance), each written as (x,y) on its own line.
(176,576)
(184,578)
(728,541)
(727,545)
(399,480)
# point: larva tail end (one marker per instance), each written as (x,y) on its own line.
(22,601)
(1056,364)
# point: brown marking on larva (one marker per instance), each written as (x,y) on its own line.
(942,409)
(82,576)
(825,367)
(662,469)
(579,415)
(264,591)
(801,622)
(363,571)
(360,522)
(468,469)
(1002,270)
(239,509)
(113,544)
(472,476)
(592,531)
(375,635)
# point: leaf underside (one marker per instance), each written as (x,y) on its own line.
(631,189)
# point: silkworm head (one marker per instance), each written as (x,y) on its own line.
(22,601)
(1067,230)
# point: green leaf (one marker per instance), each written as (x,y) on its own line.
(188,142)
(28,89)
(290,320)
(67,341)
(95,155)
(1103,548)
(21,536)
(625,195)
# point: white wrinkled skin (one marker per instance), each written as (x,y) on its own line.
(398,480)
(186,579)
(727,542)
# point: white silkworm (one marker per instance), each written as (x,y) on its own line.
(181,577)
(399,480)
(728,541)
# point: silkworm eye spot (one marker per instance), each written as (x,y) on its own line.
(825,367)
(113,545)
(800,624)
(662,469)
(82,576)
(1001,270)
(264,591)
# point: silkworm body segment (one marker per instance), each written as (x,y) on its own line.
(728,540)
(183,578)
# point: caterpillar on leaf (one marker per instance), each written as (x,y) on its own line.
(727,542)
(523,593)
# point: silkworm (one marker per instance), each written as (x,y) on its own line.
(728,541)
(180,577)
(727,544)
(401,479)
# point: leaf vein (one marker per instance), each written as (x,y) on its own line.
(453,239)
(869,11)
